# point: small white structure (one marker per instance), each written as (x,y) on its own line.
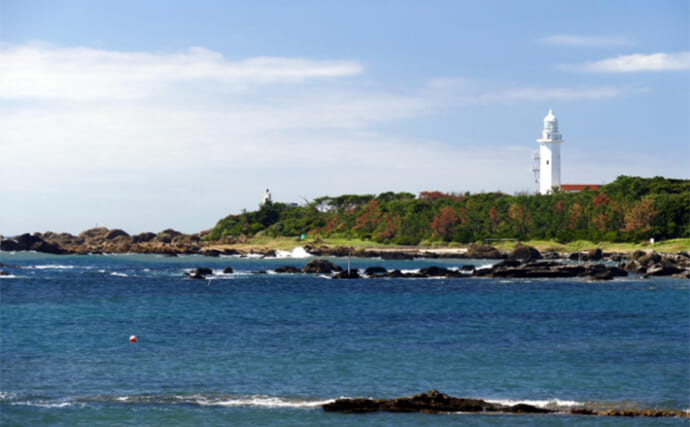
(266,197)
(550,155)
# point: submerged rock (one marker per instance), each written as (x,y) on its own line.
(288,269)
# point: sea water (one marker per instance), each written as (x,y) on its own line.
(270,349)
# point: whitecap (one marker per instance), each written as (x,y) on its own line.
(52,267)
(262,402)
(546,403)
(118,274)
(298,252)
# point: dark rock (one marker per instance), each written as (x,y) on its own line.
(429,402)
(199,273)
(228,270)
(287,269)
(8,245)
(637,254)
(685,274)
(352,274)
(435,271)
(395,274)
(507,263)
(110,235)
(594,254)
(468,267)
(320,266)
(662,270)
(388,255)
(357,405)
(210,253)
(649,259)
(93,234)
(28,242)
(582,411)
(375,271)
(167,235)
(476,251)
(524,253)
(260,272)
(550,255)
(4,273)
(143,237)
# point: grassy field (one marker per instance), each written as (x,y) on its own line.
(288,243)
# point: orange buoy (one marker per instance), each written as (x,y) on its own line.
(133,338)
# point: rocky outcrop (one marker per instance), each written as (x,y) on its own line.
(199,273)
(550,269)
(524,253)
(654,264)
(430,402)
(476,251)
(353,273)
(434,402)
(287,269)
(30,242)
(322,266)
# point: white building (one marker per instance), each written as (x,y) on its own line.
(550,155)
(266,197)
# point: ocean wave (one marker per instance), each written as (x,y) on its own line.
(297,252)
(211,399)
(9,276)
(545,403)
(52,267)
(116,274)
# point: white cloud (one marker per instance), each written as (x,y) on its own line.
(115,134)
(584,41)
(43,71)
(678,61)
(466,92)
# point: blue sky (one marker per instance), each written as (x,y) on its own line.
(157,114)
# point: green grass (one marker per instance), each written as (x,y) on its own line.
(288,243)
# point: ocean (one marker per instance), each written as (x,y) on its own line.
(270,349)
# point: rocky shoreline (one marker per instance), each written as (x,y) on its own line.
(521,262)
(434,402)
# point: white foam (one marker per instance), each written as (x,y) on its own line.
(297,252)
(412,271)
(8,276)
(262,402)
(547,403)
(53,267)
(118,274)
(44,404)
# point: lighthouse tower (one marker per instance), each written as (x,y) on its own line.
(550,155)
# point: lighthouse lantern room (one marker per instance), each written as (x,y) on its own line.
(550,155)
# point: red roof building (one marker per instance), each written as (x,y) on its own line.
(574,188)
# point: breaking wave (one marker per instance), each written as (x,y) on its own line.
(297,252)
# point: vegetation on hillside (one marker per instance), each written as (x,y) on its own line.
(628,209)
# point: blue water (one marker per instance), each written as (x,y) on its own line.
(268,349)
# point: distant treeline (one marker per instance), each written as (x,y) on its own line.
(628,209)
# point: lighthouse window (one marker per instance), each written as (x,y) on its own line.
(547,162)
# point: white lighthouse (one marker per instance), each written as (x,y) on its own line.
(550,155)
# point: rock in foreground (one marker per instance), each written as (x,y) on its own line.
(434,402)
(430,402)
